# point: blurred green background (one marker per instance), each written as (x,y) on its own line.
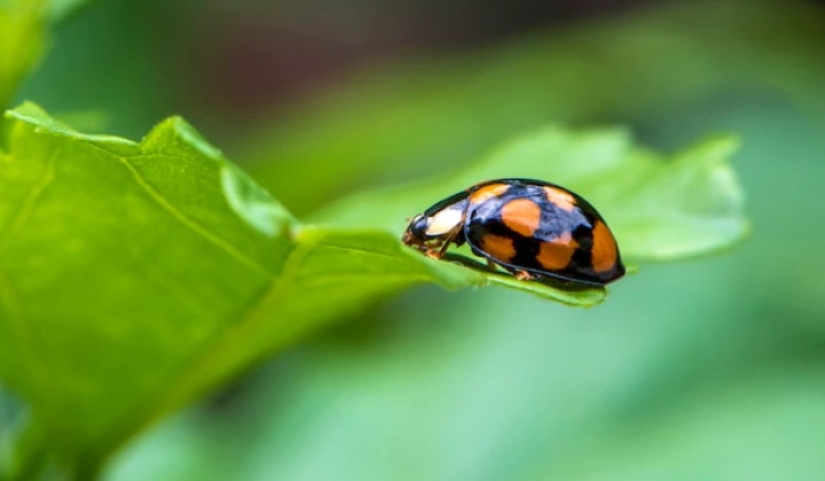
(711,369)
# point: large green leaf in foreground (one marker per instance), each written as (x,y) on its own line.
(136,276)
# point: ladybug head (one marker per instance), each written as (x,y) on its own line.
(442,224)
(416,233)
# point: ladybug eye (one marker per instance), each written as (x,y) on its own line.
(418,227)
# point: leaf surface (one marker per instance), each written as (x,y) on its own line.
(134,277)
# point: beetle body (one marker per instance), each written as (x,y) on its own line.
(530,228)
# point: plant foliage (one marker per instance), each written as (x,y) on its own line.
(135,277)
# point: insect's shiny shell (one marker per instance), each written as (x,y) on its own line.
(528,226)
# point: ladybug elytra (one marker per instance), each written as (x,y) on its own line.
(532,229)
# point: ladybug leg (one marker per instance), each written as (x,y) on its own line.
(434,251)
(447,241)
(523,276)
(492,265)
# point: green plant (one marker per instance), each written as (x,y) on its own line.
(136,277)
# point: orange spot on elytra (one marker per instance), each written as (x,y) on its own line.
(488,192)
(604,253)
(498,247)
(560,198)
(522,216)
(556,254)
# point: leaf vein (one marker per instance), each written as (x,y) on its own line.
(29,203)
(181,381)
(360,251)
(164,203)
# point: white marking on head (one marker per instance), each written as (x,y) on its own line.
(445,221)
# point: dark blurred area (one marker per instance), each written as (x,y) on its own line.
(255,62)
(711,369)
(237,62)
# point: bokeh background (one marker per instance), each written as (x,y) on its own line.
(712,369)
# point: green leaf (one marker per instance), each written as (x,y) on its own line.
(134,277)
(22,43)
(24,38)
(658,208)
(99,260)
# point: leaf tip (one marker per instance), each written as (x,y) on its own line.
(254,204)
(587,297)
(40,122)
(193,138)
(715,149)
(175,127)
(33,114)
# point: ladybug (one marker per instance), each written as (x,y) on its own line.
(535,230)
